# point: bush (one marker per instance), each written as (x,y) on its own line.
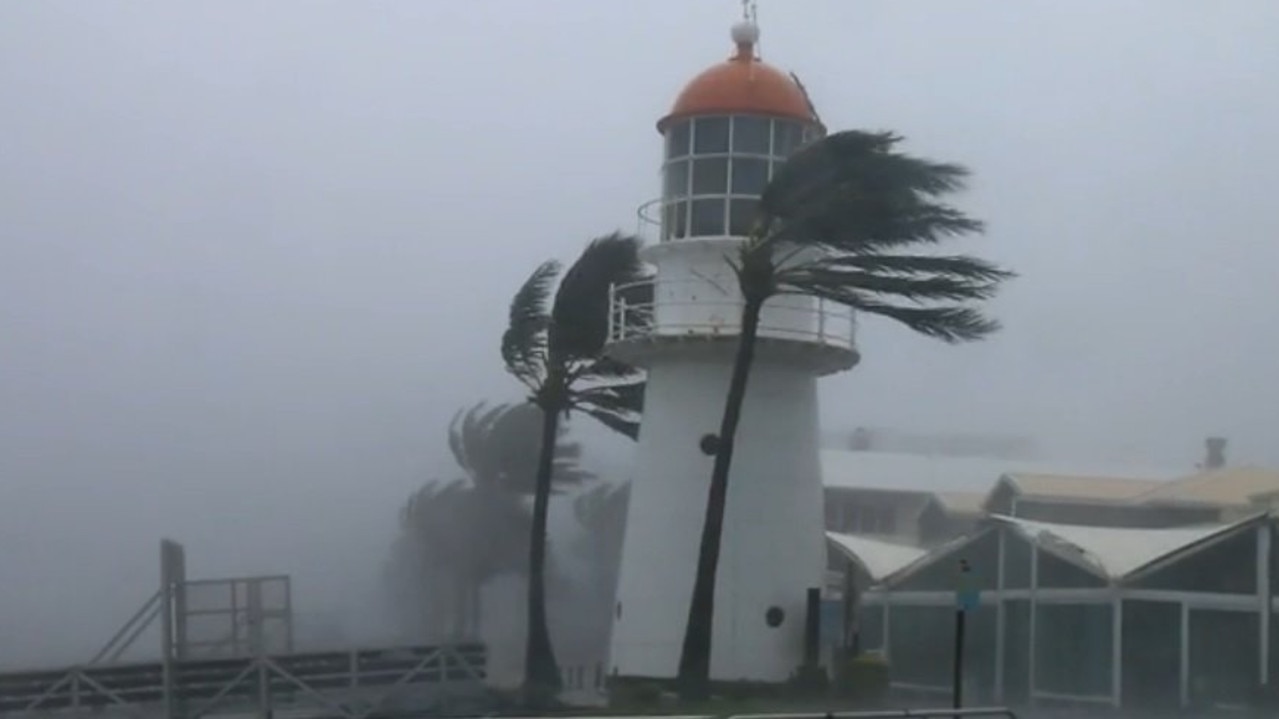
(862,678)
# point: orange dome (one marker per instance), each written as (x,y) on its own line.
(742,84)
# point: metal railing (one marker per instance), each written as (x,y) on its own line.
(129,633)
(648,216)
(347,684)
(657,308)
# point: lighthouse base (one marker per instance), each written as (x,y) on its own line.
(773,547)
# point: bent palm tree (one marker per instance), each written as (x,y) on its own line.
(556,351)
(837,222)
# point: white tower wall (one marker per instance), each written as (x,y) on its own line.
(773,548)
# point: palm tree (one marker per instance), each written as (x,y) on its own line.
(843,220)
(432,566)
(498,447)
(456,536)
(554,347)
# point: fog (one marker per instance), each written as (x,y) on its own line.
(253,256)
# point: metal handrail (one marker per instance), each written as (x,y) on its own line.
(631,320)
(644,213)
(129,633)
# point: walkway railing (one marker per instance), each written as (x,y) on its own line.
(656,308)
(345,684)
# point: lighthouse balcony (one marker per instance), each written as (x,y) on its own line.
(657,318)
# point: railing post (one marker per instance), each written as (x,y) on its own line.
(612,310)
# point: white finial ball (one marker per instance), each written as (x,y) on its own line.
(745,32)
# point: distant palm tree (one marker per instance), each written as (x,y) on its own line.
(431,564)
(554,347)
(498,447)
(838,222)
(456,536)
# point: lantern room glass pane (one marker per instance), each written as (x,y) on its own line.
(710,176)
(742,214)
(787,137)
(675,219)
(751,135)
(678,137)
(710,135)
(749,176)
(675,183)
(707,218)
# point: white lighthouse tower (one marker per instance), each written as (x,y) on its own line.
(730,127)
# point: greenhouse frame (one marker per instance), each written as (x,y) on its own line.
(1077,615)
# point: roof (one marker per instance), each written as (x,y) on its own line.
(940,473)
(961,502)
(910,472)
(875,556)
(741,84)
(1112,552)
(1071,486)
(1228,486)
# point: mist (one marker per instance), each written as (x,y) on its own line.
(253,256)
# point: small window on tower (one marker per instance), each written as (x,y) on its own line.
(749,176)
(675,221)
(676,183)
(787,137)
(741,216)
(707,218)
(677,138)
(710,176)
(751,135)
(710,135)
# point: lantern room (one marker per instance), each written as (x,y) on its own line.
(729,129)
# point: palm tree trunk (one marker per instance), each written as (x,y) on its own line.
(541,673)
(695,658)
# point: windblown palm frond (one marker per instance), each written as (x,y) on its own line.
(498,447)
(837,212)
(558,353)
(470,439)
(524,344)
(579,316)
(618,405)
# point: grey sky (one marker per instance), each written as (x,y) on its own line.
(254,255)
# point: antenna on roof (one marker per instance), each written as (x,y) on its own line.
(754,18)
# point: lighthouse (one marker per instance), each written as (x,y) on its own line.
(729,129)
